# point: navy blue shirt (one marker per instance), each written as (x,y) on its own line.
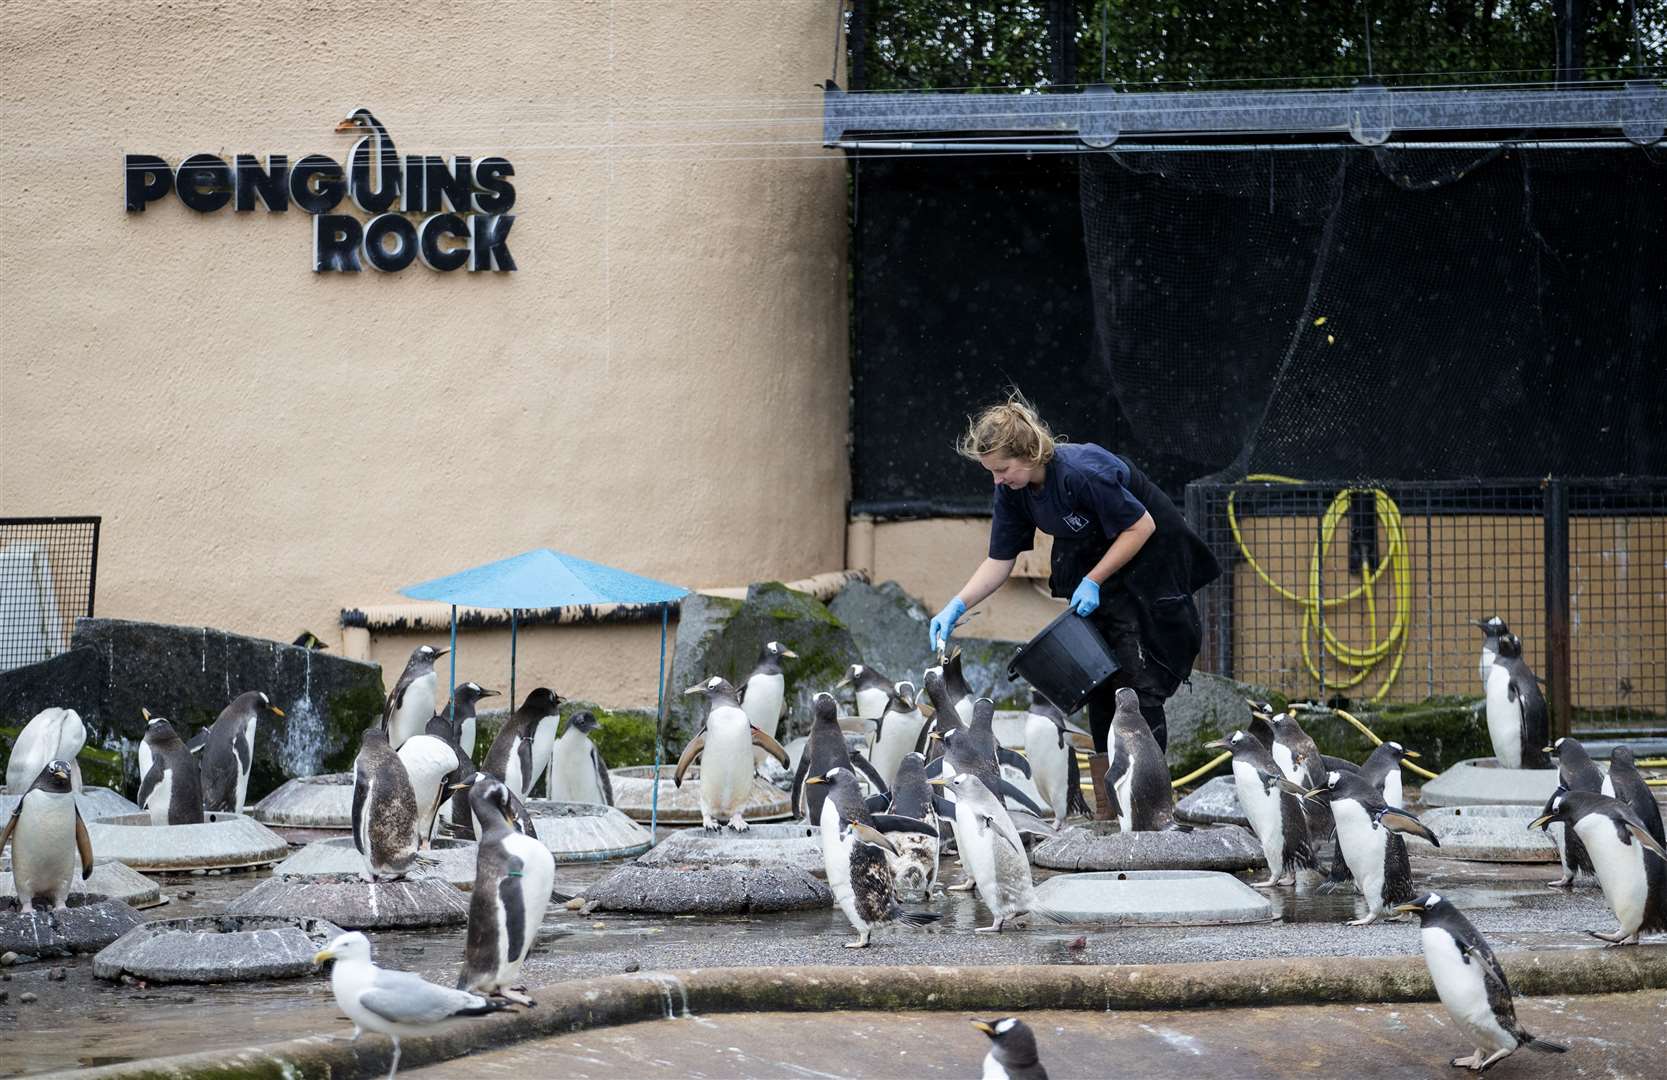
(1084,492)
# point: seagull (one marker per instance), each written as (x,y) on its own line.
(393,1003)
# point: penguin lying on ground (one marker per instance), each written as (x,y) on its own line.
(577,771)
(854,851)
(53,735)
(1012,1053)
(1053,760)
(172,790)
(412,700)
(724,747)
(229,753)
(1471,984)
(1274,813)
(514,874)
(384,809)
(47,835)
(1138,777)
(1576,771)
(993,853)
(1631,865)
(1518,721)
(1367,840)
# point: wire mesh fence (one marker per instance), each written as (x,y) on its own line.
(48,568)
(1367,591)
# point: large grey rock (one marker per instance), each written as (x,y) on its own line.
(1482,782)
(216,949)
(793,844)
(587,832)
(1216,803)
(634,795)
(110,878)
(88,924)
(1485,834)
(1205,707)
(355,904)
(710,890)
(219,842)
(889,627)
(1097,846)
(309,802)
(1154,898)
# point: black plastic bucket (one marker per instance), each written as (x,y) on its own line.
(1066,661)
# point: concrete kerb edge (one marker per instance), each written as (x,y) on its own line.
(623,999)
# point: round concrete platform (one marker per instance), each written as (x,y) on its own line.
(588,832)
(634,791)
(324,858)
(1154,898)
(355,904)
(309,802)
(93,802)
(709,890)
(88,924)
(791,843)
(1097,846)
(220,842)
(1216,803)
(110,878)
(216,949)
(1486,834)
(1481,782)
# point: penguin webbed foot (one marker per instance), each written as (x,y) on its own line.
(862,940)
(1370,918)
(1470,1062)
(1561,883)
(1619,937)
(739,823)
(964,885)
(510,994)
(993,928)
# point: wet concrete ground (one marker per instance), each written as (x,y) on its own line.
(1620,1036)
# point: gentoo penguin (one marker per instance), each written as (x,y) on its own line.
(915,866)
(53,735)
(464,697)
(471,826)
(1367,839)
(432,764)
(956,689)
(455,722)
(512,757)
(973,750)
(514,875)
(1261,712)
(47,834)
(1631,864)
(384,809)
(993,853)
(1493,628)
(1012,1053)
(1576,771)
(412,700)
(870,689)
(724,747)
(1053,761)
(1471,984)
(229,753)
(172,790)
(577,771)
(763,695)
(824,752)
(1275,817)
(900,731)
(1630,788)
(1138,777)
(1518,723)
(1383,771)
(854,851)
(393,1003)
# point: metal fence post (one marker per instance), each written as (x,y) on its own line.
(1558,674)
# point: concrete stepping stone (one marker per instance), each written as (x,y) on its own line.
(216,949)
(309,802)
(1097,846)
(634,790)
(1485,834)
(709,890)
(1216,803)
(110,878)
(355,904)
(93,802)
(220,842)
(326,858)
(790,843)
(1154,898)
(1482,782)
(88,924)
(589,832)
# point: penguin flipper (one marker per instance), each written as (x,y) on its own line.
(361,793)
(1005,756)
(935,767)
(1397,820)
(1074,799)
(151,779)
(877,803)
(84,845)
(943,807)
(767,742)
(515,908)
(602,774)
(1013,841)
(11,825)
(196,743)
(861,763)
(799,775)
(1008,791)
(898,823)
(1637,829)
(690,752)
(1030,823)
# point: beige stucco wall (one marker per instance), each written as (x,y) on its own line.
(662,386)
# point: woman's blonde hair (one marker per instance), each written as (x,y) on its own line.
(1010,430)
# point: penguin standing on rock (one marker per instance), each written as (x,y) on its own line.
(1630,788)
(577,771)
(384,810)
(511,758)
(1493,628)
(172,790)
(1368,840)
(1274,814)
(1471,984)
(1012,1053)
(412,700)
(1383,771)
(724,747)
(993,854)
(1138,777)
(514,876)
(763,695)
(854,851)
(1053,760)
(1631,865)
(1518,721)
(47,835)
(229,753)
(1576,771)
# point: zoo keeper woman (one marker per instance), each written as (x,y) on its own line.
(1122,554)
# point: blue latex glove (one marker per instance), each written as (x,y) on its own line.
(943,623)
(1087,597)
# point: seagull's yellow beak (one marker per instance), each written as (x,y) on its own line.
(322,955)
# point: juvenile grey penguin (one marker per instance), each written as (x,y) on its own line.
(229,753)
(1012,1053)
(915,866)
(1275,817)
(763,694)
(1518,722)
(412,700)
(1138,777)
(172,790)
(1493,628)
(577,771)
(824,752)
(900,731)
(1630,788)
(511,758)
(870,689)
(854,851)
(1471,984)
(1576,771)
(1053,761)
(47,835)
(52,735)
(1368,840)
(1631,864)
(724,747)
(1383,771)
(433,763)
(514,876)
(993,853)
(384,809)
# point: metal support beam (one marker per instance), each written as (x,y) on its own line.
(1558,673)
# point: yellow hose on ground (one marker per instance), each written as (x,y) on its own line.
(1394,644)
(1201,770)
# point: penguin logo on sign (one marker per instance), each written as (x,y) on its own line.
(1077,522)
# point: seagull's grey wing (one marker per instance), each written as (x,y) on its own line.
(401,997)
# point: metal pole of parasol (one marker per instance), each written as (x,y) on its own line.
(514,629)
(452,690)
(659,730)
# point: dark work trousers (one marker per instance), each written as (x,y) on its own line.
(1118,622)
